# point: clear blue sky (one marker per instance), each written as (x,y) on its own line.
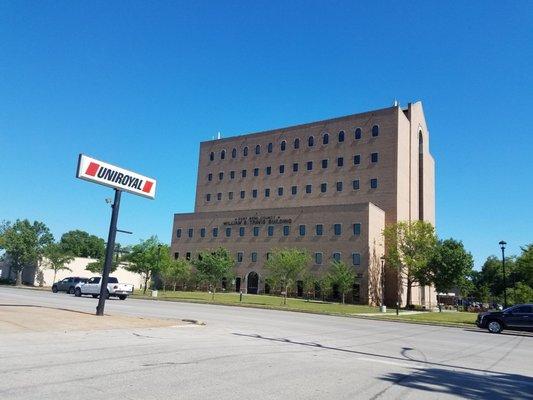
(140,84)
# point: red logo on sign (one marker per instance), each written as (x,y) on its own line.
(148,186)
(92,169)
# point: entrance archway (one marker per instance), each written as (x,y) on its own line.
(252,283)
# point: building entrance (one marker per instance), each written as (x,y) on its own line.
(252,283)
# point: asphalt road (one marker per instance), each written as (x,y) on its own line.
(247,353)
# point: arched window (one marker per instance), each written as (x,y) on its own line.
(212,156)
(311,141)
(245,151)
(223,154)
(234,153)
(283,145)
(257,149)
(357,133)
(269,148)
(296,143)
(325,138)
(375,130)
(341,136)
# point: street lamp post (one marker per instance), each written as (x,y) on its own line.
(383,307)
(398,294)
(502,246)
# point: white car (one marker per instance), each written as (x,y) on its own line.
(92,287)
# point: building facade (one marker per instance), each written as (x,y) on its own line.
(329,187)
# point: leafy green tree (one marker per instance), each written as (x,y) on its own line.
(524,266)
(284,266)
(450,266)
(97,267)
(82,244)
(144,259)
(57,258)
(409,248)
(213,265)
(24,242)
(174,272)
(341,276)
(521,293)
(309,281)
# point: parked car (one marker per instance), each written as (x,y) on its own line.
(114,288)
(518,318)
(68,284)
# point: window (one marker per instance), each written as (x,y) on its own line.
(357,159)
(245,151)
(357,134)
(211,156)
(269,148)
(375,131)
(223,154)
(325,138)
(268,170)
(324,163)
(202,232)
(302,230)
(339,186)
(242,194)
(357,228)
(220,176)
(190,232)
(228,232)
(318,258)
(356,259)
(373,183)
(311,141)
(267,192)
(254,193)
(309,165)
(323,187)
(243,173)
(340,161)
(270,231)
(234,153)
(240,256)
(268,256)
(281,169)
(210,177)
(280,191)
(178,232)
(295,167)
(241,231)
(256,171)
(215,232)
(208,197)
(337,229)
(286,230)
(374,157)
(355,184)
(319,229)
(176,255)
(308,188)
(256,231)
(254,256)
(283,145)
(230,195)
(219,196)
(232,174)
(341,136)
(294,189)
(296,143)
(257,149)
(337,256)
(188,256)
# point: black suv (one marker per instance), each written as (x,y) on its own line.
(68,284)
(516,318)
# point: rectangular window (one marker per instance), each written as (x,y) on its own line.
(215,232)
(230,195)
(178,232)
(295,167)
(337,229)
(256,171)
(210,177)
(324,163)
(356,259)
(340,161)
(294,189)
(270,230)
(337,256)
(242,194)
(219,196)
(241,231)
(308,188)
(267,192)
(374,157)
(355,184)
(228,232)
(302,230)
(202,232)
(280,191)
(268,256)
(373,183)
(319,229)
(256,231)
(268,170)
(207,197)
(357,159)
(220,176)
(309,165)
(357,228)
(281,169)
(254,256)
(188,256)
(176,255)
(286,230)
(323,187)
(232,174)
(240,256)
(339,186)
(254,193)
(191,231)
(318,258)
(243,173)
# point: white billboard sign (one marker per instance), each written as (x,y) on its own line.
(110,175)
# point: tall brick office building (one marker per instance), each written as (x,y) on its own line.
(328,186)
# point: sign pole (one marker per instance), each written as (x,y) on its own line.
(109,253)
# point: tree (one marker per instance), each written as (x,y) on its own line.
(409,247)
(450,266)
(524,266)
(57,258)
(213,265)
(309,282)
(174,272)
(24,243)
(284,266)
(341,276)
(81,244)
(97,267)
(144,259)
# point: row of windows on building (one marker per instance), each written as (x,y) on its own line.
(374,157)
(339,187)
(318,257)
(357,135)
(285,230)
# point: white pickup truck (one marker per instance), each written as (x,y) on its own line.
(92,287)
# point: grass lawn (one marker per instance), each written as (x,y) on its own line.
(455,318)
(262,301)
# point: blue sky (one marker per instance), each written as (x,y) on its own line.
(140,84)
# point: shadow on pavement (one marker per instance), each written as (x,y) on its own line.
(504,333)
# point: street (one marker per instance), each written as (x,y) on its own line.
(252,353)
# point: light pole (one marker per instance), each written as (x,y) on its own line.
(502,246)
(399,287)
(383,307)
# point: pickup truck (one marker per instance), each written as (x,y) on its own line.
(92,287)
